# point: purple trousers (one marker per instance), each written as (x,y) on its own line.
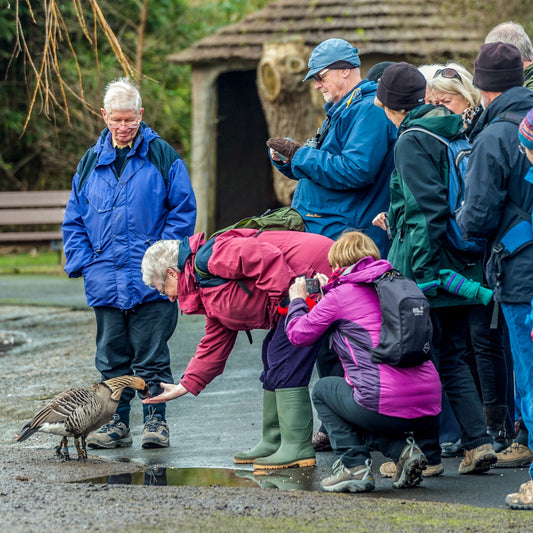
(286,366)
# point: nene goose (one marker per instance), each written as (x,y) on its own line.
(77,412)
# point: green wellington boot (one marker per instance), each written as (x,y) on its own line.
(271,435)
(296,426)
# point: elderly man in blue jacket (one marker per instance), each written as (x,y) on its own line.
(343,173)
(131,189)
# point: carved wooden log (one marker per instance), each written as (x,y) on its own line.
(287,102)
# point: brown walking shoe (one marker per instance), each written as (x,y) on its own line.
(389,470)
(478,460)
(517,455)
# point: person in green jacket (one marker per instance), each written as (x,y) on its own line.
(417,220)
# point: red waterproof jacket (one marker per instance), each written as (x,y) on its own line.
(267,262)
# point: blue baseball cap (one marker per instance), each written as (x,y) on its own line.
(329,52)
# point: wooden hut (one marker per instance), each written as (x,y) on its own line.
(230,170)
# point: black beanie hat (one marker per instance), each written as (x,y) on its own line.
(375,72)
(401,87)
(498,67)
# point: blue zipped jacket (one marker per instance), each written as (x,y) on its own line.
(345,182)
(110,221)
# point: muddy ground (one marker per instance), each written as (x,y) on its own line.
(39,493)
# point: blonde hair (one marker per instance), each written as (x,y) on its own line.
(463,87)
(350,247)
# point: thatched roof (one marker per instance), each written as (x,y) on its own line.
(421,28)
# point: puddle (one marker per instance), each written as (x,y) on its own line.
(288,479)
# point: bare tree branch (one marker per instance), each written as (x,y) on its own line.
(50,88)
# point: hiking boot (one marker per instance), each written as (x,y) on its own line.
(155,433)
(478,460)
(517,455)
(321,442)
(389,470)
(409,466)
(114,434)
(356,479)
(433,470)
(523,499)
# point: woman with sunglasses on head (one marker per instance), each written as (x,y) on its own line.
(452,87)
(418,218)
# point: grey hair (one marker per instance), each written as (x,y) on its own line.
(160,256)
(453,86)
(122,95)
(512,33)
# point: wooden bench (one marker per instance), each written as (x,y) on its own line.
(21,209)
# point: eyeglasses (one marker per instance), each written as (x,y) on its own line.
(522,149)
(162,289)
(115,124)
(448,73)
(320,75)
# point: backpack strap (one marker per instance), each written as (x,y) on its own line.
(204,278)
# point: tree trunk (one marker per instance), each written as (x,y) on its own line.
(286,101)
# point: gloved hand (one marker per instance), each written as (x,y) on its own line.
(286,147)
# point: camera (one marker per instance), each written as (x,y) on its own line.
(312,285)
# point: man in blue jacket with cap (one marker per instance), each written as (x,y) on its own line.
(343,172)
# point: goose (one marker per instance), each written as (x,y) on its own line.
(77,412)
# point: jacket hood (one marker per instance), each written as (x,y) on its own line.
(514,100)
(366,270)
(188,247)
(437,119)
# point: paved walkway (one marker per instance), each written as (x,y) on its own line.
(226,417)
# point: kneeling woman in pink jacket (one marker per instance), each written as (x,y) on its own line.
(375,406)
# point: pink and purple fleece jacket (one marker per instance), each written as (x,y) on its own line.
(350,307)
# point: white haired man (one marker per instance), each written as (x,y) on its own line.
(130,189)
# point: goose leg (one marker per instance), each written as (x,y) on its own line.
(82,456)
(64,443)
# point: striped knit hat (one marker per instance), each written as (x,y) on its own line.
(525,130)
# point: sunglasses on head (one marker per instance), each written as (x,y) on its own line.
(448,73)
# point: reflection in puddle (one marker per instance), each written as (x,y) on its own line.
(286,479)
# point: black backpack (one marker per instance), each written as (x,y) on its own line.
(406,330)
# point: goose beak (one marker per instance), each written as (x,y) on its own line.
(145,393)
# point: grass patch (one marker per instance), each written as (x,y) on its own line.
(33,261)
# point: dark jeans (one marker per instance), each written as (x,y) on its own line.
(485,355)
(354,430)
(135,342)
(285,365)
(450,329)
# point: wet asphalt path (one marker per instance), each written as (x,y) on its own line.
(226,417)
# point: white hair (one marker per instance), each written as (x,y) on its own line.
(122,95)
(428,71)
(160,256)
(512,33)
